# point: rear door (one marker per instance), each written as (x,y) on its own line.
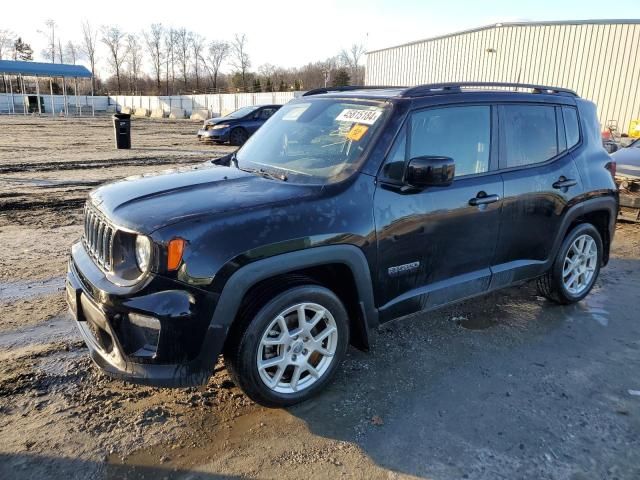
(540,182)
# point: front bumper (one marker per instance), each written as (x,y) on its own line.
(218,135)
(181,353)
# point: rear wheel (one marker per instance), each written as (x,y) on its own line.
(291,347)
(238,136)
(575,268)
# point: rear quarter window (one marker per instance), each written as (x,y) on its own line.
(570,116)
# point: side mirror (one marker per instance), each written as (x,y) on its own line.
(430,171)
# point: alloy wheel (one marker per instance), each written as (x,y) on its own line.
(297,348)
(580,264)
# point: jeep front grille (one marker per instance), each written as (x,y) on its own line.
(98,237)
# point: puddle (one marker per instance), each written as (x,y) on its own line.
(33,288)
(475,323)
(53,183)
(58,329)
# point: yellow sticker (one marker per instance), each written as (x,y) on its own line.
(357,132)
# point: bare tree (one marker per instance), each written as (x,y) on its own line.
(170,58)
(153,39)
(50,33)
(240,57)
(60,52)
(7,38)
(351,59)
(217,53)
(72,52)
(197,46)
(183,52)
(113,38)
(134,61)
(89,41)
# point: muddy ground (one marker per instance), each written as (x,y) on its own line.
(508,386)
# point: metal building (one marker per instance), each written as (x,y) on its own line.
(599,59)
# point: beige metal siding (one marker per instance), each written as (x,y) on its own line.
(599,60)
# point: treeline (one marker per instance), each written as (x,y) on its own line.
(166,60)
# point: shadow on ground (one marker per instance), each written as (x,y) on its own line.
(543,392)
(34,466)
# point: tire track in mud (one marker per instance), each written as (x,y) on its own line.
(90,164)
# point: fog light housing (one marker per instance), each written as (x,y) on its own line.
(147,334)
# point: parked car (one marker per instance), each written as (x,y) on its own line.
(237,126)
(628,180)
(347,209)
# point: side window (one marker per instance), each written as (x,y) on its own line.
(530,134)
(571,125)
(266,113)
(461,133)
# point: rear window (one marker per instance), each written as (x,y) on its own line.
(570,117)
(530,134)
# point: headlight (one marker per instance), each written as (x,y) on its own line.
(219,126)
(143,252)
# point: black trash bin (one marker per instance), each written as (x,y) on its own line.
(122,130)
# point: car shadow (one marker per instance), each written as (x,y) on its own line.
(28,466)
(522,396)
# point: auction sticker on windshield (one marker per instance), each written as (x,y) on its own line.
(357,132)
(368,117)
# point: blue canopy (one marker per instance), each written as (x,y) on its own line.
(37,69)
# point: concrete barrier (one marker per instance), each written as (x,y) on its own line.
(201,114)
(140,112)
(177,113)
(158,113)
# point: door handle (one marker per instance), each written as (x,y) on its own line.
(483,199)
(564,182)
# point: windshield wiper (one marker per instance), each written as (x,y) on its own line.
(264,173)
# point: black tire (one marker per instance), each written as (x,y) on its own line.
(552,286)
(241,353)
(238,136)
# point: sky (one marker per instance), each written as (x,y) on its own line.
(291,34)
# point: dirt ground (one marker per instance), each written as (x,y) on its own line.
(505,387)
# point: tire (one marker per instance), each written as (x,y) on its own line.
(238,136)
(556,285)
(298,350)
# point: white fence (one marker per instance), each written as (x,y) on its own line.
(213,104)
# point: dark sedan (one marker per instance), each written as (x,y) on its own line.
(237,126)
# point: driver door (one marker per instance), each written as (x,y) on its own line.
(436,244)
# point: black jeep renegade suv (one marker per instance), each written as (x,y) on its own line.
(348,208)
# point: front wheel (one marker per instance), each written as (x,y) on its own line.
(238,136)
(291,347)
(576,267)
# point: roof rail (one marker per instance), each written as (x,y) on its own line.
(456,87)
(346,88)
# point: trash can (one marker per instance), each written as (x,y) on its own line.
(122,130)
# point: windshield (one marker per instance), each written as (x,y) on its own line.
(241,112)
(315,140)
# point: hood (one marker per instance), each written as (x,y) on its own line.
(216,120)
(145,203)
(628,156)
